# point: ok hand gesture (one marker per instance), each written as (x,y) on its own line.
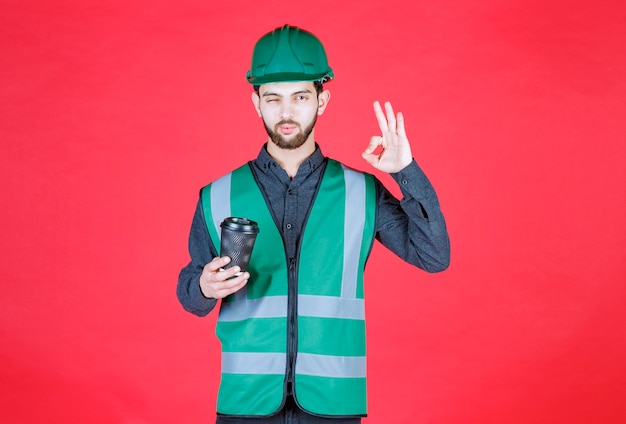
(396,151)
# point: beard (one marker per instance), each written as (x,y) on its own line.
(290,143)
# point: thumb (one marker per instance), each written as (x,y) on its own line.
(370,158)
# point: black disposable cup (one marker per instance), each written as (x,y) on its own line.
(238,237)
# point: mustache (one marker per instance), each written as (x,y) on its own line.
(287,122)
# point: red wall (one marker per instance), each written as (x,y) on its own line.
(114,113)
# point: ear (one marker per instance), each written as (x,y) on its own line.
(322,101)
(256,101)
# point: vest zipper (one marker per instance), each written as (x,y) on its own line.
(292,323)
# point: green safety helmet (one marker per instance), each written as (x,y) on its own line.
(289,54)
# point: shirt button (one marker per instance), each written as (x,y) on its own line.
(289,191)
(289,226)
(405,182)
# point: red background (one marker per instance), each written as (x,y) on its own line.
(114,113)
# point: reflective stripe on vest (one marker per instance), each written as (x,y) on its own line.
(252,323)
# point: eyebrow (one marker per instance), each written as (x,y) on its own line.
(270,93)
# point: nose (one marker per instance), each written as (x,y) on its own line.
(286,110)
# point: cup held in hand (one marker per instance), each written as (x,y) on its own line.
(238,237)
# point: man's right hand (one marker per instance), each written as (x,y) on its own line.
(219,284)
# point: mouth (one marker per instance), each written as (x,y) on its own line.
(287,128)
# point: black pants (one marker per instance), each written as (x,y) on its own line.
(290,414)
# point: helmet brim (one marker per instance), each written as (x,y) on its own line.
(289,77)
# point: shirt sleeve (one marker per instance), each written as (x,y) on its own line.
(413,228)
(201,251)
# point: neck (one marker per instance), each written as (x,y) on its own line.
(291,159)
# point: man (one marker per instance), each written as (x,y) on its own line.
(292,327)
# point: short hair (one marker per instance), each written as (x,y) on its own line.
(319,87)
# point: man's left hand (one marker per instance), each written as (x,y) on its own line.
(396,151)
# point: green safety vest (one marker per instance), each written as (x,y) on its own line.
(330,368)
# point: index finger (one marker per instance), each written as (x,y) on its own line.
(380,117)
(218,262)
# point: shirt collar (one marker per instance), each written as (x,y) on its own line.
(264,161)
